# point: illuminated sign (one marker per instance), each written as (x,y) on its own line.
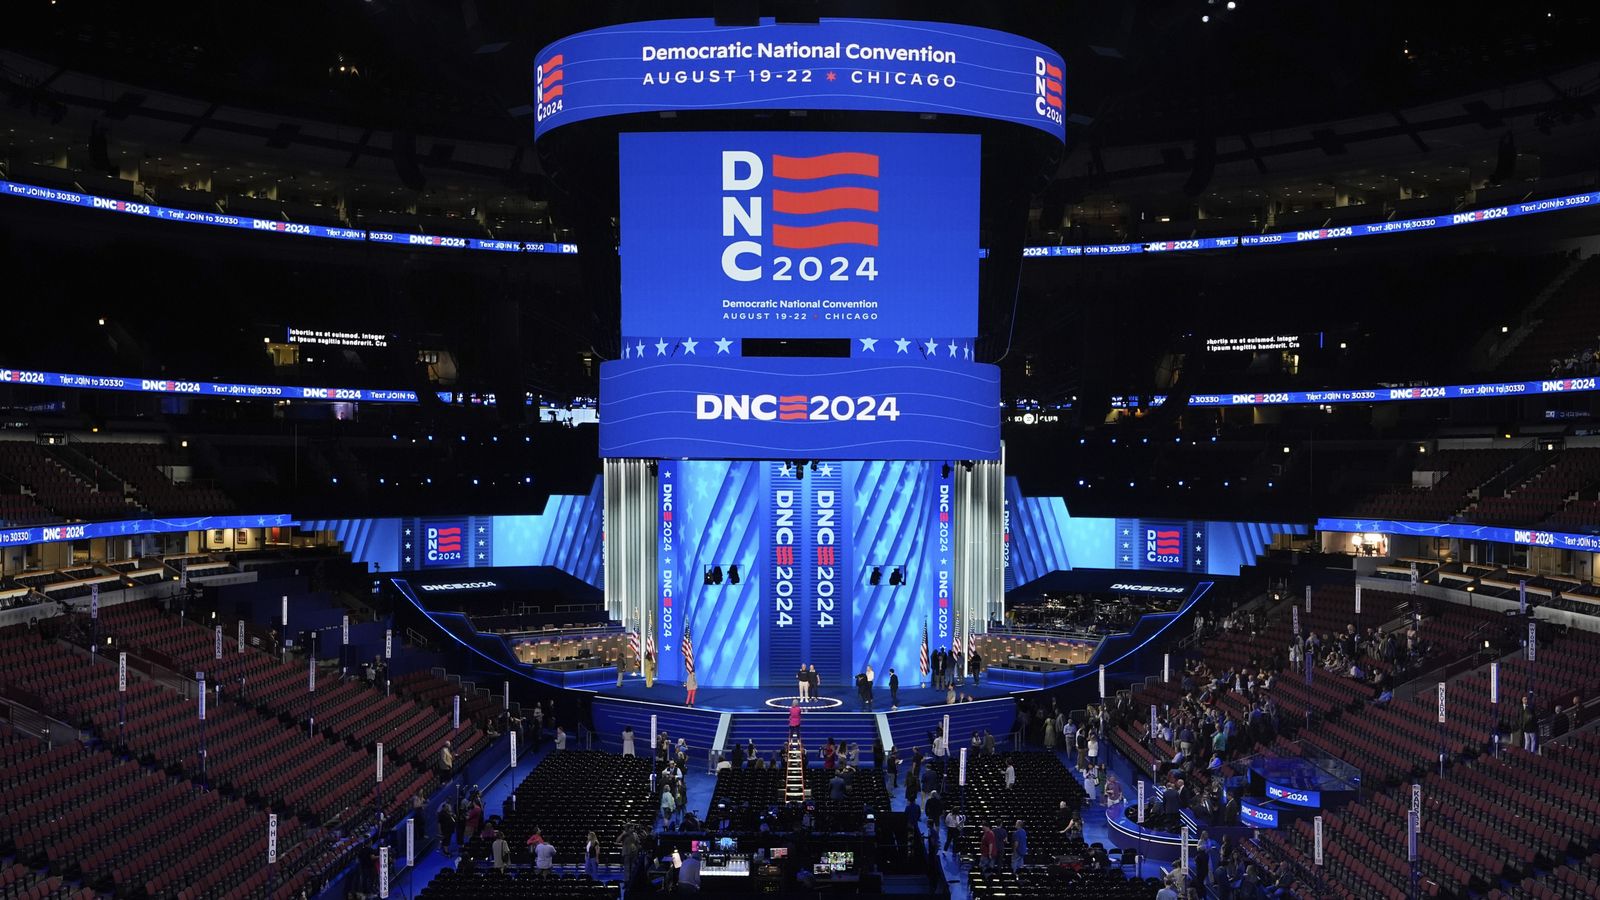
(1467,531)
(43,534)
(330,338)
(680,65)
(734,234)
(1261,343)
(1294,796)
(799,409)
(1148,588)
(1257,816)
(459,586)
(443,543)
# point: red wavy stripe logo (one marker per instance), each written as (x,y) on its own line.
(554,92)
(791,407)
(1052,99)
(1052,71)
(555,62)
(553,77)
(825,166)
(812,236)
(828,200)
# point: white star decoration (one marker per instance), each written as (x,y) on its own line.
(627,352)
(640,349)
(930,347)
(952,349)
(825,470)
(966,352)
(688,346)
(722,345)
(869,345)
(901,345)
(661,347)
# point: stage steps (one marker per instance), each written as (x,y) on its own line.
(771,730)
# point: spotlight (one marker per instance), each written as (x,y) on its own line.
(733,574)
(876,577)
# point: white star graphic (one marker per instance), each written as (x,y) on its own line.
(952,349)
(722,345)
(688,346)
(661,347)
(639,349)
(930,347)
(626,352)
(825,470)
(784,470)
(966,352)
(869,345)
(901,345)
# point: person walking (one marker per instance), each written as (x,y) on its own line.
(591,856)
(1011,775)
(1019,847)
(894,689)
(629,842)
(988,850)
(974,666)
(691,684)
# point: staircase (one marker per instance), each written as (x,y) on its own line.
(794,779)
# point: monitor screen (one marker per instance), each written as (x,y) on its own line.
(698,846)
(780,852)
(727,845)
(839,860)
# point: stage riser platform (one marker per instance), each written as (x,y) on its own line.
(611,715)
(770,730)
(910,727)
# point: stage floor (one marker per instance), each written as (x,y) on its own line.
(741,700)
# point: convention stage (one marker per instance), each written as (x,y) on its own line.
(751,700)
(722,717)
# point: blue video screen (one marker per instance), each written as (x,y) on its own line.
(799,235)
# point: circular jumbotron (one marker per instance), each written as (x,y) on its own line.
(812,704)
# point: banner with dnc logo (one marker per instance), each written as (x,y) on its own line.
(443,543)
(803,235)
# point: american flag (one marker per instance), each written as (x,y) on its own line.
(633,643)
(650,641)
(688,650)
(924,647)
(955,644)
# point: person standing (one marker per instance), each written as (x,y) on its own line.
(544,857)
(1011,775)
(629,842)
(499,851)
(689,874)
(690,683)
(650,669)
(894,689)
(974,665)
(866,688)
(561,738)
(988,852)
(1019,846)
(803,680)
(815,682)
(1528,724)
(447,762)
(446,818)
(893,762)
(627,740)
(1001,837)
(794,721)
(591,857)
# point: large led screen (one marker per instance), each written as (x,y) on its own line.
(799,235)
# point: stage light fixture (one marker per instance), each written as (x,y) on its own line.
(733,574)
(876,578)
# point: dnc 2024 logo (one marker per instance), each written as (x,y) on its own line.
(822,201)
(549,87)
(443,543)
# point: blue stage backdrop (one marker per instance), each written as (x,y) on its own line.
(1043,538)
